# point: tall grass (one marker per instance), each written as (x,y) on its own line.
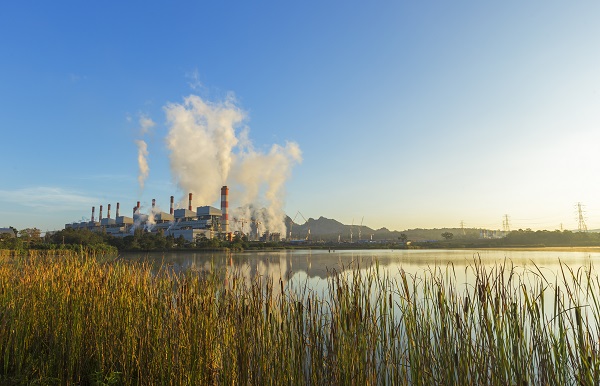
(76,320)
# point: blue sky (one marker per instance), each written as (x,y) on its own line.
(409,114)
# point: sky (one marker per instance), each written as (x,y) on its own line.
(398,114)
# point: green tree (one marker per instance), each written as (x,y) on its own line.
(447,235)
(30,235)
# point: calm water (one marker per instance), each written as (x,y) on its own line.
(312,267)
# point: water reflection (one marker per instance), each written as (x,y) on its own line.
(312,267)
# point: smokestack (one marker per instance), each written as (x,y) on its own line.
(138,205)
(224,208)
(190,206)
(100,215)
(118,209)
(93,210)
(108,211)
(172,204)
(153,203)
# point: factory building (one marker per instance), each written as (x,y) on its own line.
(204,222)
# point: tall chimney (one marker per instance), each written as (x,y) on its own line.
(138,205)
(172,204)
(108,211)
(100,215)
(224,208)
(118,209)
(93,210)
(190,205)
(153,203)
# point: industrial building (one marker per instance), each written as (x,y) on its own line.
(205,222)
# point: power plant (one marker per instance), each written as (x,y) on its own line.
(206,222)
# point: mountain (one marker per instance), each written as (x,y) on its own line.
(332,230)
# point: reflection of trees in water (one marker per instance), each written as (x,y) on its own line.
(316,266)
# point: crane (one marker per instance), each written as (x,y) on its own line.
(305,221)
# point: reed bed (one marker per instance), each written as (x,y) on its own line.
(74,319)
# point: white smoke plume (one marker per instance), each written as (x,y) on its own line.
(207,152)
(261,178)
(142,161)
(145,125)
(201,139)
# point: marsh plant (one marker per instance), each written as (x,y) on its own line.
(75,319)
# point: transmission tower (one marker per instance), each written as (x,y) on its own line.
(581,220)
(505,224)
(462,227)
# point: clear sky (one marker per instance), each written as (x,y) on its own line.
(409,114)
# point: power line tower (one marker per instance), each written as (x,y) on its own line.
(506,224)
(462,227)
(581,220)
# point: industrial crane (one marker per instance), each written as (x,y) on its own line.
(305,221)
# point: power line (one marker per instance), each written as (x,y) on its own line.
(506,224)
(582,227)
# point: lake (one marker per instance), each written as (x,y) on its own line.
(311,268)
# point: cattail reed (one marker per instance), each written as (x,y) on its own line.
(76,319)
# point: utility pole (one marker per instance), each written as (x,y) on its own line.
(360,229)
(506,224)
(582,227)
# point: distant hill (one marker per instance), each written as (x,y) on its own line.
(331,230)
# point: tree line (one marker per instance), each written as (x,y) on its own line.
(139,240)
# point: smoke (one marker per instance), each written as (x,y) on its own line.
(145,125)
(210,147)
(261,178)
(201,139)
(142,161)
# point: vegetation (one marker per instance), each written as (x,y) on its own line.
(447,235)
(140,240)
(516,239)
(76,320)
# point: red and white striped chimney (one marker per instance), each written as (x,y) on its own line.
(93,210)
(190,205)
(108,212)
(100,215)
(172,204)
(118,206)
(224,208)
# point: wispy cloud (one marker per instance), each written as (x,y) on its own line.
(194,80)
(75,78)
(146,124)
(47,198)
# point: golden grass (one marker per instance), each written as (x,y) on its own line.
(72,319)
